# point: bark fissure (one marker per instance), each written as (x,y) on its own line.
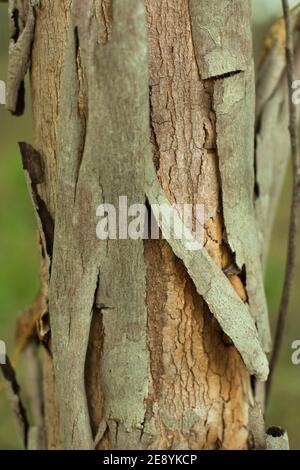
(173,70)
(22,25)
(137,328)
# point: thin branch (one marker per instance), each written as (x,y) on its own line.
(292,241)
(13,391)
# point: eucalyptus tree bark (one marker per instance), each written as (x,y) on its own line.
(145,345)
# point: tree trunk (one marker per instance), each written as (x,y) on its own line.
(149,348)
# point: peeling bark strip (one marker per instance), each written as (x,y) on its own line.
(33,165)
(191,367)
(87,273)
(13,392)
(21,23)
(212,284)
(234,108)
(224,46)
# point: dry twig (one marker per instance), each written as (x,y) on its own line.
(292,242)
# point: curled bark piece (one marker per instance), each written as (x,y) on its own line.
(22,23)
(26,326)
(34,173)
(277,439)
(34,319)
(211,283)
(234,110)
(18,409)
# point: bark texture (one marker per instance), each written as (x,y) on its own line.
(138,356)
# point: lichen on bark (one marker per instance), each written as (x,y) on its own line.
(115,83)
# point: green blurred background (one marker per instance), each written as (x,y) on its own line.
(19,266)
(18,249)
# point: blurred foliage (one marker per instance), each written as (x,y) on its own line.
(19,268)
(18,247)
(284,408)
(264,12)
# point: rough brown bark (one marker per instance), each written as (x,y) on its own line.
(196,392)
(46,76)
(192,364)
